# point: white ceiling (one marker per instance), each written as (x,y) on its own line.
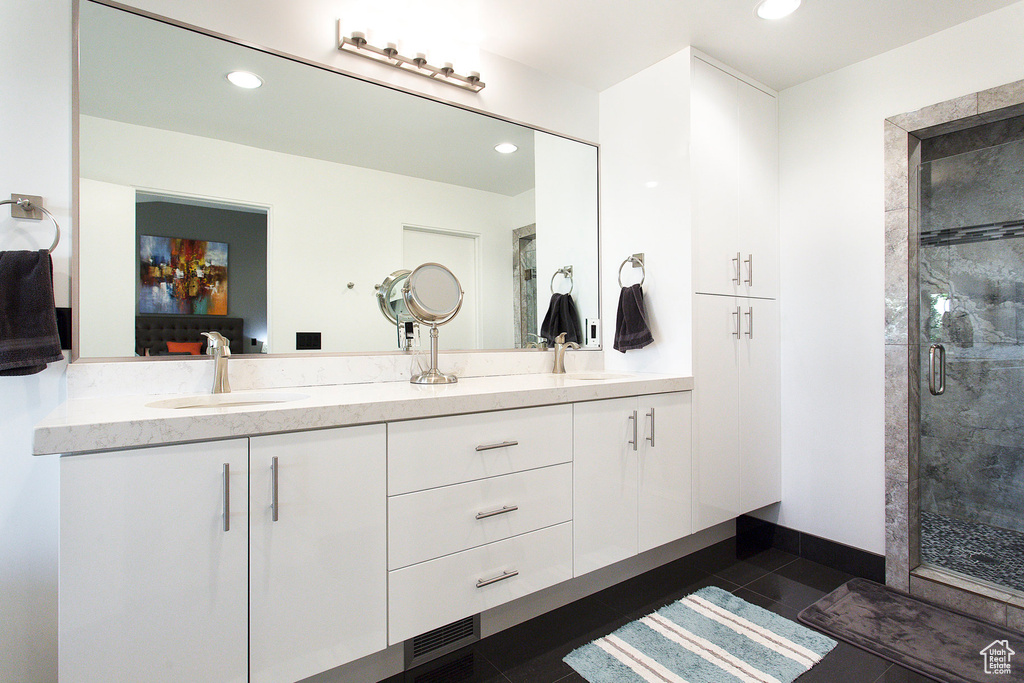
(598,43)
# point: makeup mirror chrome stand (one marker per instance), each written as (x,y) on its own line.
(433,296)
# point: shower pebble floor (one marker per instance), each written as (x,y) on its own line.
(978,550)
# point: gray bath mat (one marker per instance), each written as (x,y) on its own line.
(932,641)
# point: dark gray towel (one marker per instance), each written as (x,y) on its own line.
(631,331)
(562,316)
(28,321)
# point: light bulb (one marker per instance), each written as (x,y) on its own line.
(245,79)
(776,9)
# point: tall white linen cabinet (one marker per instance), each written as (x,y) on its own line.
(735,231)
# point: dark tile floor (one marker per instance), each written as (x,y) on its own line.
(783,583)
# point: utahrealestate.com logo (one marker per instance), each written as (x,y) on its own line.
(997,657)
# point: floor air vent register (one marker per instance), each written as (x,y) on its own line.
(441,641)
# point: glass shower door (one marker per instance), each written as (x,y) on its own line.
(971,355)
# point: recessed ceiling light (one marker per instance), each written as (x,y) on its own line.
(505,148)
(245,79)
(776,9)
(651,184)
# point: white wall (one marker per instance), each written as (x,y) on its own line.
(35,145)
(645,139)
(35,139)
(330,224)
(832,264)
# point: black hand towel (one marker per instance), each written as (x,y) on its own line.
(562,316)
(631,331)
(28,321)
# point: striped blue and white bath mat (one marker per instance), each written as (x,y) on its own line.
(710,636)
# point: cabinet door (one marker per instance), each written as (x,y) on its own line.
(604,483)
(664,469)
(760,421)
(152,585)
(716,463)
(757,166)
(713,155)
(318,573)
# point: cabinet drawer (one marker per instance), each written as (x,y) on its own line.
(431,594)
(424,454)
(441,521)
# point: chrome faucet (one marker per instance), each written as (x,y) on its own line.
(220,349)
(560,348)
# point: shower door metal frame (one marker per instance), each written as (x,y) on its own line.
(903,134)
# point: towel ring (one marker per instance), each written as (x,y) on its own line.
(636,262)
(565,271)
(28,206)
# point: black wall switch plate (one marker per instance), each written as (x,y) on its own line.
(307,341)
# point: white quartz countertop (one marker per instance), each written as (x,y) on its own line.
(96,424)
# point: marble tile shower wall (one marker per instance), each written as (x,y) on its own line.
(972,301)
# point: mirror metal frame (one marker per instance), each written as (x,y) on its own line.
(76,162)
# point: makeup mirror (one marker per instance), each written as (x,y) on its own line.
(433,296)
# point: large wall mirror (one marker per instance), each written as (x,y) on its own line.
(285,205)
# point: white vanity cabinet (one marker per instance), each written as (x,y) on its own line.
(317,550)
(734,160)
(631,477)
(480,513)
(737,463)
(159,583)
(153,560)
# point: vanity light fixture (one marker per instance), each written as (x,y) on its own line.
(245,79)
(776,9)
(356,44)
(505,148)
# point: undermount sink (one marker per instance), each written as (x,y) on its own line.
(229,400)
(593,376)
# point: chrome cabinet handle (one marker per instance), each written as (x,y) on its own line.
(633,441)
(750,322)
(500,511)
(492,446)
(937,351)
(227,496)
(273,488)
(750,271)
(736,262)
(651,437)
(480,583)
(737,333)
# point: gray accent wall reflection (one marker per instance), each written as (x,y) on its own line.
(972,301)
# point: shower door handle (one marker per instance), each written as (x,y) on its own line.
(937,362)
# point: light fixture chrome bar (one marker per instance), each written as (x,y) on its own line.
(356,44)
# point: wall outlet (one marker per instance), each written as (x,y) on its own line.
(592,333)
(307,341)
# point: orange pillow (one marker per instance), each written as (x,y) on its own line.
(185,347)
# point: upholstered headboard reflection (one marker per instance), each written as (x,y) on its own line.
(152,332)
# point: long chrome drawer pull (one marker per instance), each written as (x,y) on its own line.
(651,437)
(750,322)
(480,583)
(632,442)
(499,511)
(736,261)
(273,491)
(737,333)
(227,497)
(492,446)
(750,264)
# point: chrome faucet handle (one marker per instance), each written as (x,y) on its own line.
(560,339)
(218,342)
